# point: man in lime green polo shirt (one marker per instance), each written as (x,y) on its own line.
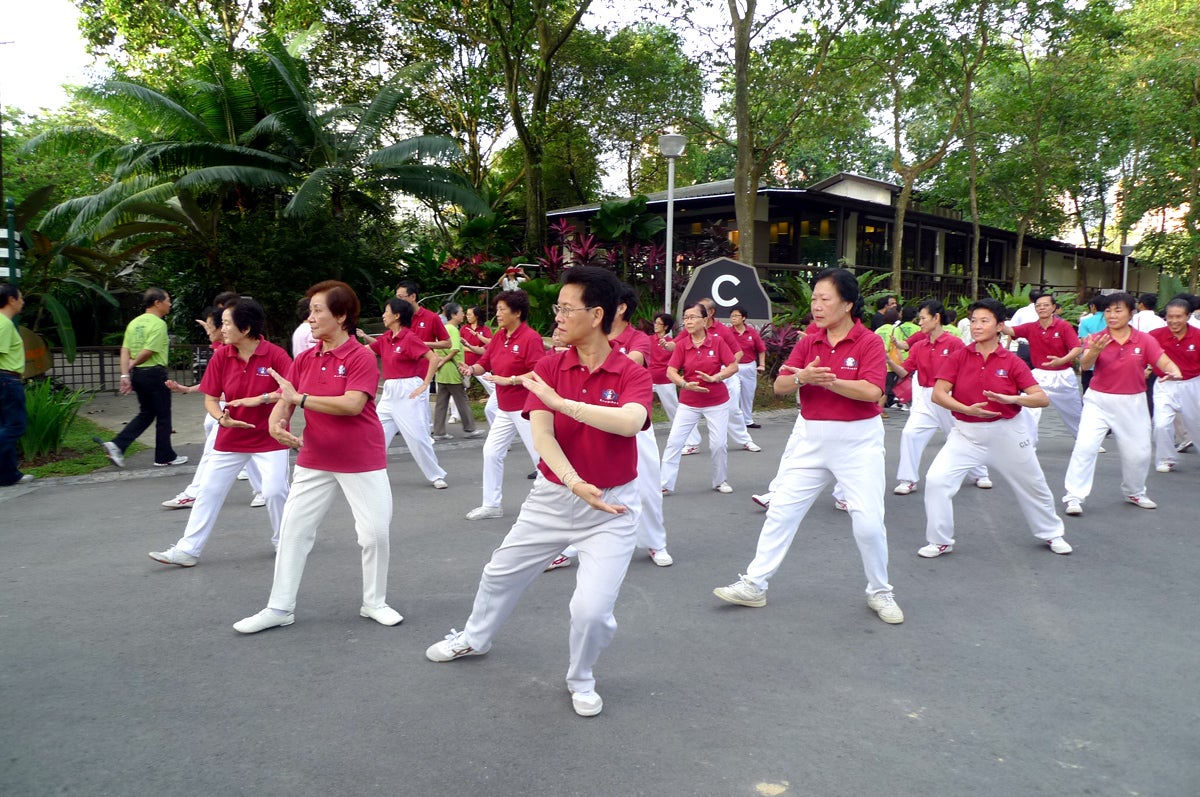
(12,391)
(144,373)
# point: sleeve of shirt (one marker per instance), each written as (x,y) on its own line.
(135,338)
(637,386)
(759,346)
(415,348)
(676,360)
(872,365)
(1021,375)
(211,383)
(362,373)
(641,342)
(377,344)
(949,367)
(548,370)
(485,359)
(1024,330)
(725,354)
(281,363)
(799,355)
(1154,350)
(1070,337)
(439,328)
(536,350)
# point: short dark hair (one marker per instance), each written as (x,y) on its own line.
(1099,301)
(667,319)
(1179,302)
(451,309)
(701,306)
(478,312)
(908,313)
(151,296)
(936,310)
(213,315)
(880,302)
(1124,298)
(516,301)
(225,299)
(410,287)
(601,288)
(629,298)
(1192,300)
(403,310)
(340,299)
(993,306)
(8,293)
(302,310)
(1149,300)
(248,316)
(737,308)
(1036,294)
(847,289)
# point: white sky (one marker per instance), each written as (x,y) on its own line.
(41,50)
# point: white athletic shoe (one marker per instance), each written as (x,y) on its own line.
(752,447)
(586,704)
(1165,467)
(258,500)
(984,484)
(440,484)
(723,487)
(454,646)
(1059,546)
(763,500)
(743,593)
(181,501)
(1141,501)
(932,551)
(485,512)
(884,604)
(559,561)
(689,450)
(1074,508)
(661,558)
(840,505)
(904,488)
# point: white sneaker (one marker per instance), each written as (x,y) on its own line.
(840,505)
(265,619)
(1074,508)
(1059,545)
(454,646)
(180,460)
(1165,467)
(113,452)
(174,556)
(440,484)
(559,561)
(689,450)
(485,512)
(932,551)
(984,484)
(1141,501)
(723,487)
(586,704)
(1183,447)
(763,500)
(743,593)
(258,500)
(384,615)
(884,604)
(661,558)
(752,447)
(181,501)
(243,476)
(904,488)
(1102,450)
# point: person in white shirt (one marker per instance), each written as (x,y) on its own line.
(1146,319)
(302,339)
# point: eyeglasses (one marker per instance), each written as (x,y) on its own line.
(693,318)
(560,309)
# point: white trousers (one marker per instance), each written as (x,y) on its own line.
(789,450)
(850,452)
(1174,400)
(490,407)
(398,413)
(552,519)
(924,418)
(1129,419)
(735,424)
(1062,388)
(1005,445)
(648,516)
(747,376)
(219,475)
(682,427)
(504,428)
(210,442)
(668,396)
(370,497)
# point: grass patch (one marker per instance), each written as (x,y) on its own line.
(79,455)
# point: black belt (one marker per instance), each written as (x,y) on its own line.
(11,373)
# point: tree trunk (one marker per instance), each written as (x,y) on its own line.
(909,177)
(1022,226)
(973,162)
(745,184)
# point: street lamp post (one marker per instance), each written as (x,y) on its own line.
(671,146)
(1126,251)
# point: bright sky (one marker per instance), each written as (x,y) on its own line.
(40,51)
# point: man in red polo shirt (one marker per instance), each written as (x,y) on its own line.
(429,329)
(586,406)
(1053,348)
(1181,342)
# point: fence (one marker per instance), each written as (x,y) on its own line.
(97,369)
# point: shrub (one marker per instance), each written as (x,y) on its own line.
(51,410)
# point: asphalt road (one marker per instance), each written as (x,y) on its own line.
(1016,672)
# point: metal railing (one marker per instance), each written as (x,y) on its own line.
(97,369)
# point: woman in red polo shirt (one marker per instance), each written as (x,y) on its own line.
(334,383)
(408,367)
(511,353)
(839,368)
(985,387)
(1116,400)
(1177,399)
(662,343)
(753,361)
(239,371)
(699,366)
(475,336)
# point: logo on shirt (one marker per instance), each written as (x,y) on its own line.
(1001,372)
(1056,334)
(711,353)
(850,362)
(516,347)
(608,395)
(946,352)
(421,324)
(262,371)
(1191,347)
(341,371)
(1137,349)
(623,350)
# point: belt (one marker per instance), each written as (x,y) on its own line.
(12,373)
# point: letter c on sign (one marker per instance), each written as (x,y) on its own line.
(716,290)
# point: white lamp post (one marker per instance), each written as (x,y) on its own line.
(671,146)
(1126,251)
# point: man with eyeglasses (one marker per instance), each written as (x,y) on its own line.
(586,405)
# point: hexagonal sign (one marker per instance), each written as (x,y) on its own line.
(728,283)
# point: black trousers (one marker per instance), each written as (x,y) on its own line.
(154,406)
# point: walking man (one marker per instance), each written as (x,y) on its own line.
(12,391)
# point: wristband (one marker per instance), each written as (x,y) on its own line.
(266,397)
(124,376)
(303,399)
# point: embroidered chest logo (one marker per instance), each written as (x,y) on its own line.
(850,362)
(341,371)
(516,347)
(946,352)
(711,353)
(262,371)
(399,349)
(421,324)
(1137,349)
(1001,372)
(608,395)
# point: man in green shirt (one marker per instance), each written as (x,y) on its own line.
(12,391)
(144,372)
(450,381)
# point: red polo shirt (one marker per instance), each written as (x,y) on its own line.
(659,357)
(402,355)
(427,326)
(726,335)
(600,458)
(631,340)
(1184,352)
(476,336)
(969,374)
(928,357)
(859,355)
(708,358)
(1121,368)
(750,343)
(227,374)
(1053,341)
(512,355)
(340,443)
